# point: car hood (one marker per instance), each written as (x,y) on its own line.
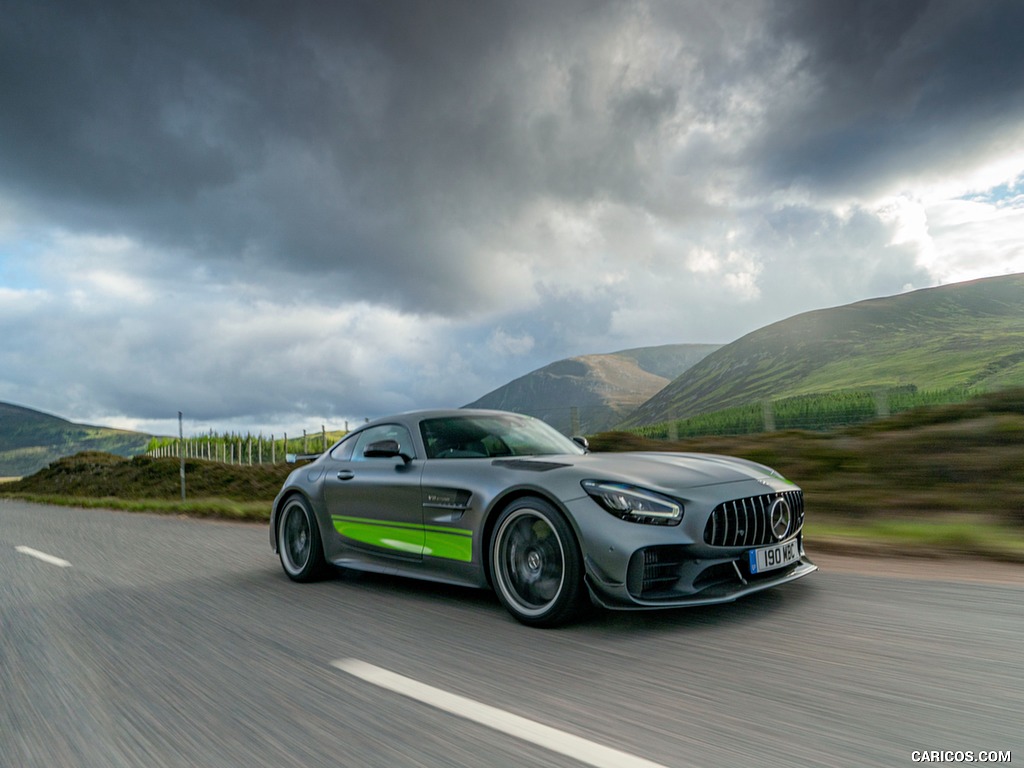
(672,472)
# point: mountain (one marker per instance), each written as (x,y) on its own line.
(594,391)
(967,335)
(29,440)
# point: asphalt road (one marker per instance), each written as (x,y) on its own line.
(155,641)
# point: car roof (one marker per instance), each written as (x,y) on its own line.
(441,413)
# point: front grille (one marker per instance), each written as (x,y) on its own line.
(747,522)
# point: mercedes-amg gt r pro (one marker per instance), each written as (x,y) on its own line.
(503,501)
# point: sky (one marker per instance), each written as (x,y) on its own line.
(273,216)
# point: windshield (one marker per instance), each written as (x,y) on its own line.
(488,436)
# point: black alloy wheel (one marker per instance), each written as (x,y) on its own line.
(298,541)
(535,564)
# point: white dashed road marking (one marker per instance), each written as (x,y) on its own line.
(43,556)
(550,738)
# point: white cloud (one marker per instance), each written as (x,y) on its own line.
(964,227)
(505,344)
(15,302)
(971,240)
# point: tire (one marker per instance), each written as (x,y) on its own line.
(535,564)
(298,541)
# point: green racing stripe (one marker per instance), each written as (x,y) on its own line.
(430,540)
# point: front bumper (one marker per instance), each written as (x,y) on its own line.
(699,582)
(636,566)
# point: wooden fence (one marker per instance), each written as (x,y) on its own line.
(247,449)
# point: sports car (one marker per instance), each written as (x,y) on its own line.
(503,501)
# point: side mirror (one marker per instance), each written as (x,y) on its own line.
(582,442)
(385,449)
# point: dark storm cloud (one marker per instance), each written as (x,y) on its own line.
(356,138)
(114,102)
(421,201)
(391,146)
(893,90)
(351,135)
(341,136)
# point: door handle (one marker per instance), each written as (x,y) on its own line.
(346,474)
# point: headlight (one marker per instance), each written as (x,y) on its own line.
(634,504)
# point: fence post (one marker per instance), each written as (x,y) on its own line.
(769,415)
(181,438)
(881,403)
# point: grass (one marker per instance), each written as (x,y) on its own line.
(210,507)
(146,484)
(927,538)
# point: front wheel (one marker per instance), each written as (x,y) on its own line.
(535,564)
(298,541)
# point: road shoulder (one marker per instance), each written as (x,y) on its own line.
(933,569)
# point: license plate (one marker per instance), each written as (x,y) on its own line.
(776,556)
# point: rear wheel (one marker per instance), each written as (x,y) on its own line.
(298,541)
(535,564)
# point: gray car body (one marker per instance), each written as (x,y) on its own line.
(370,513)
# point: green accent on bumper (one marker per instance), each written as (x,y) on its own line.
(432,540)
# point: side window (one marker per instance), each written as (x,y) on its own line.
(383,432)
(343,450)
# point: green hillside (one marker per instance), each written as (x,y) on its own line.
(968,335)
(591,393)
(29,440)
